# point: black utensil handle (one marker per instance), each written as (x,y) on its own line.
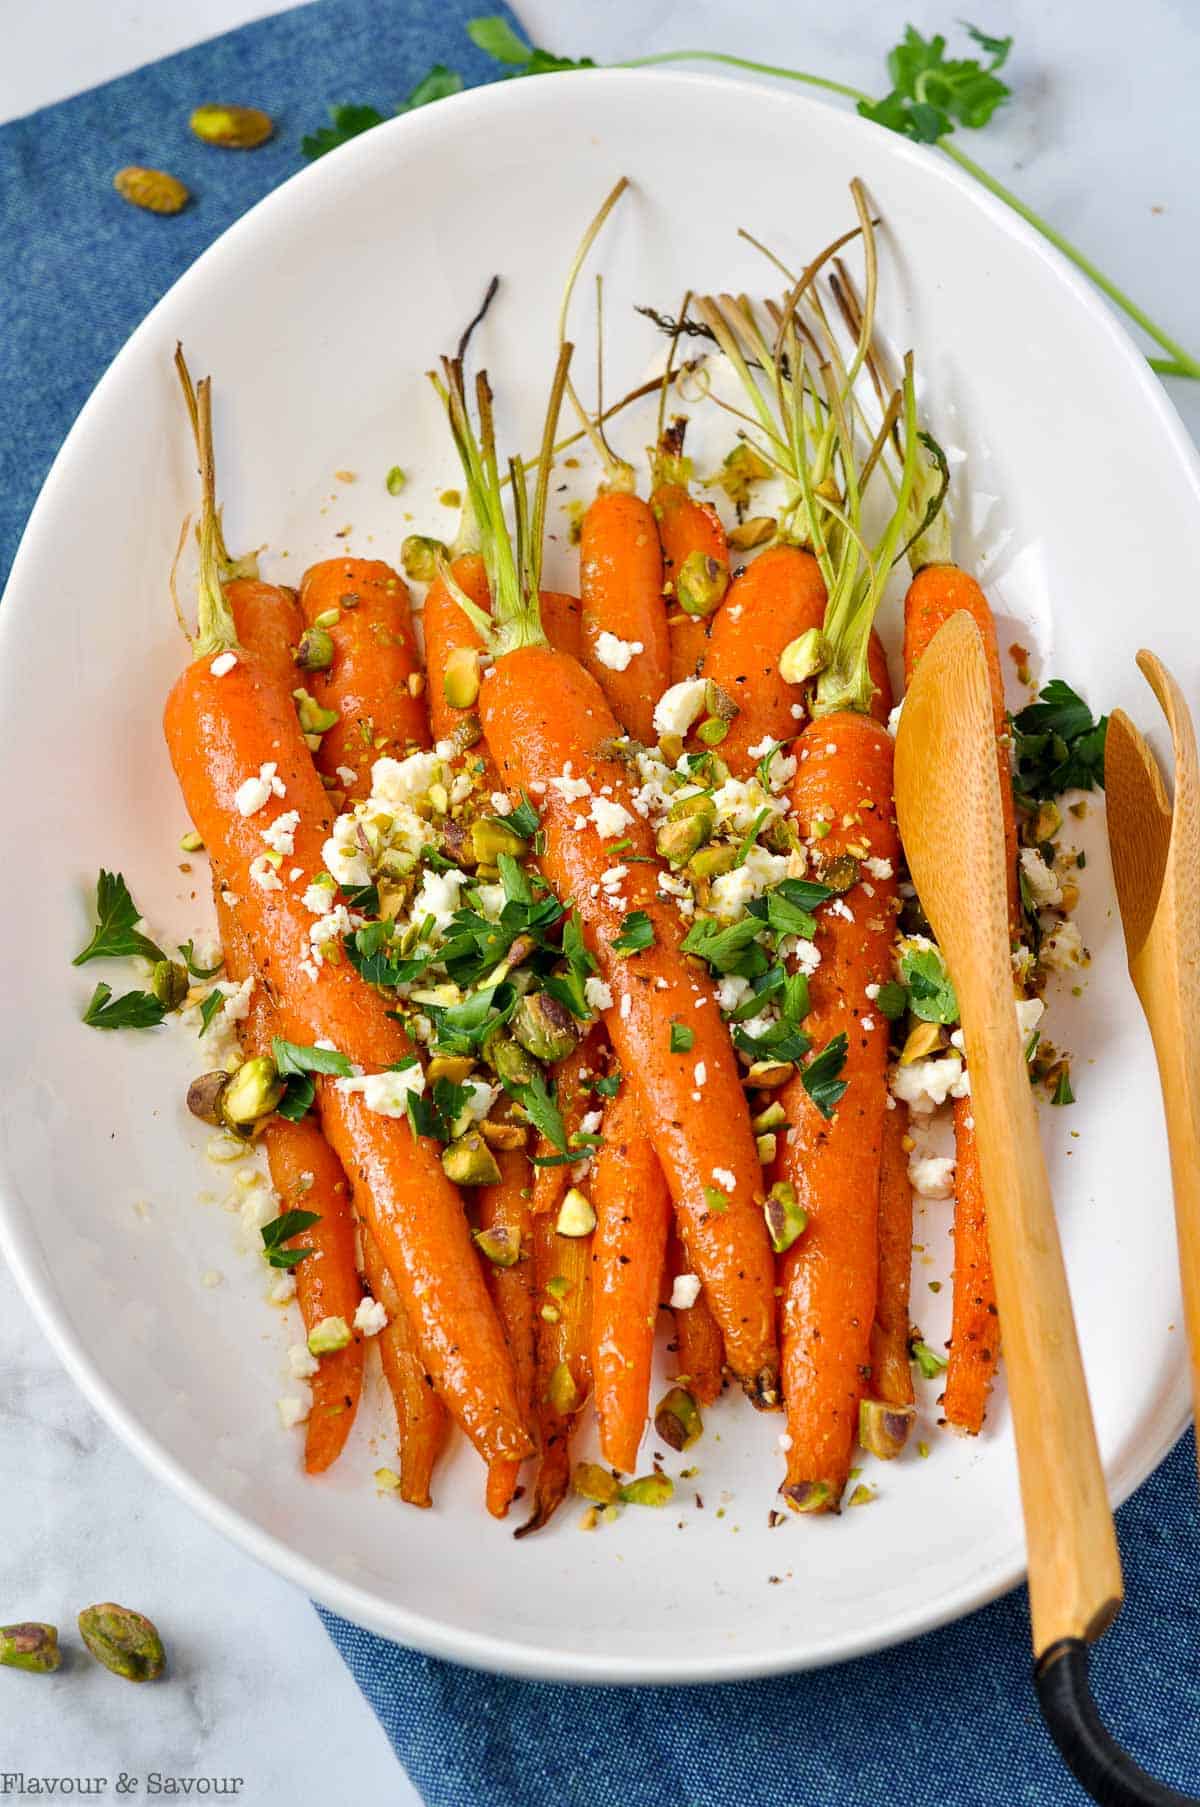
(1093,1756)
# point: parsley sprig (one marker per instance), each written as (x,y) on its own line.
(1059,745)
(116,935)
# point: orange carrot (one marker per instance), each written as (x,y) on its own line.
(621,584)
(505,1207)
(308,1177)
(446,630)
(375,680)
(843,778)
(695,555)
(562,1276)
(891,1369)
(421,1419)
(774,600)
(222,731)
(633,1215)
(935,593)
(700,1356)
(268,621)
(575,1098)
(562,618)
(542,713)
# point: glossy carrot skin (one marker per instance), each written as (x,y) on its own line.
(891,1370)
(621,585)
(686,526)
(974,1324)
(269,623)
(563,1343)
(221,730)
(307,1175)
(830,1276)
(422,1421)
(507,1205)
(936,593)
(562,619)
(774,600)
(541,711)
(633,1215)
(374,657)
(575,1098)
(699,1351)
(447,629)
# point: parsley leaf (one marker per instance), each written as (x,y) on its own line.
(348,121)
(609,1086)
(363,898)
(763,991)
(729,950)
(280,1230)
(188,950)
(1059,746)
(1062,1093)
(436,1113)
(463,1028)
(116,936)
(930,991)
(781,1041)
(524,820)
(297,1099)
(133,1010)
(496,38)
(292,1057)
(928,1360)
(369,951)
(820,1077)
(636,935)
(438,84)
(931,92)
(682,1039)
(892,1000)
(209,1007)
(517,888)
(541,1110)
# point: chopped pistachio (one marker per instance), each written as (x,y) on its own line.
(689,824)
(576,1214)
(204,1096)
(313,719)
(921,1041)
(862,1495)
(718,702)
(804,657)
(315,650)
(767,1147)
(712,731)
(504,1136)
(328,618)
(328,1336)
(170,983)
(507,1059)
(454,1067)
(190,842)
(420,554)
(251,1094)
(769,1075)
(841,873)
(232,128)
(883,1429)
(808,1496)
(501,1245)
(562,1392)
(460,678)
(33,1647)
(677,1419)
(468,1161)
(711,862)
(489,838)
(773,1117)
(701,583)
(742,468)
(395,480)
(386,1480)
(785,1216)
(591,1482)
(756,530)
(544,1027)
(648,1490)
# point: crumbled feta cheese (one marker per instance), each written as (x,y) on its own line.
(931,1176)
(678,707)
(438,896)
(252,795)
(867,1023)
(611,878)
(386,1093)
(626,1005)
(501,805)
(724,1178)
(685,1292)
(732,891)
(731,990)
(879,868)
(797,712)
(599,995)
(610,819)
(1062,949)
(339,922)
(236,1007)
(616,654)
(282,1288)
(1030,1012)
(480,1099)
(223,664)
(264,875)
(404,780)
(571,789)
(345,859)
(700,1073)
(590,1122)
(347,775)
(807,956)
(319,898)
(1040,881)
(257,1209)
(292,1411)
(872,991)
(370,1317)
(302,1362)
(925,1085)
(839,907)
(764,746)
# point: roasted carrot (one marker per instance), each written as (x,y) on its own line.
(695,554)
(621,587)
(268,621)
(562,1276)
(551,731)
(699,1353)
(575,1098)
(375,681)
(447,633)
(562,618)
(308,1177)
(421,1419)
(633,1215)
(230,727)
(843,779)
(891,1370)
(505,1207)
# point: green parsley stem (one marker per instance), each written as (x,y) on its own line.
(1180,362)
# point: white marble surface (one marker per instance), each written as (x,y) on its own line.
(1098,140)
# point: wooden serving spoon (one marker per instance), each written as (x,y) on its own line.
(948,806)
(1156,864)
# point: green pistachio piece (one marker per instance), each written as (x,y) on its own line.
(591,1482)
(786,1217)
(576,1214)
(420,554)
(313,719)
(122,1640)
(544,1027)
(712,731)
(251,1094)
(190,842)
(769,1075)
(30,1646)
(841,873)
(562,1392)
(711,862)
(460,679)
(718,702)
(504,1136)
(773,1117)
(883,1429)
(501,1245)
(204,1097)
(328,1336)
(701,583)
(396,479)
(755,530)
(767,1147)
(489,838)
(648,1490)
(677,1419)
(804,657)
(454,1067)
(315,651)
(809,1496)
(507,1059)
(170,983)
(328,618)
(468,1161)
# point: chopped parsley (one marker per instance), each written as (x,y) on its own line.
(1059,745)
(682,1039)
(117,936)
(928,1360)
(636,934)
(187,949)
(280,1230)
(931,994)
(132,1010)
(209,1007)
(821,1077)
(293,1057)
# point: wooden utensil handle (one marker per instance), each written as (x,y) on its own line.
(1074,1569)
(1177,1047)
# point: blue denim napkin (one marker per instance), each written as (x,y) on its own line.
(949,1721)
